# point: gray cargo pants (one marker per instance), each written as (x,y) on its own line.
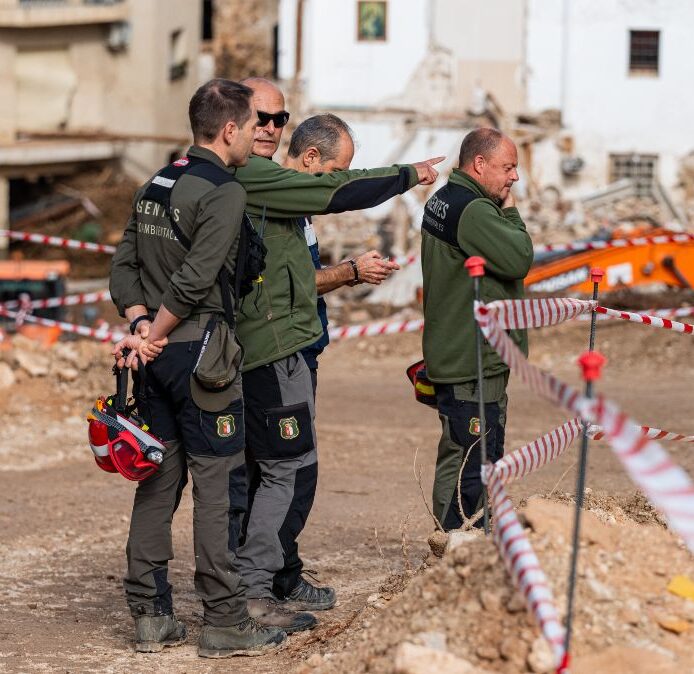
(281,459)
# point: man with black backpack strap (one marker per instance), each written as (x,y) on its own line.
(473,214)
(177,275)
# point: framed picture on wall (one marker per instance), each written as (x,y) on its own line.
(371,21)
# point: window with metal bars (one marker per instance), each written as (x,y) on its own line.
(644,52)
(640,168)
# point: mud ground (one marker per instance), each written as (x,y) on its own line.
(63,522)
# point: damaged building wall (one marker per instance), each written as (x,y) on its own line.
(91,78)
(609,106)
(435,57)
(244,37)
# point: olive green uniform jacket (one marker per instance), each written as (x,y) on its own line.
(460,221)
(280,317)
(152,268)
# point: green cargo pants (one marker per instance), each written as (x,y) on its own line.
(149,548)
(458,406)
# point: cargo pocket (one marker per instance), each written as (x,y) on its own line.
(223,431)
(289,432)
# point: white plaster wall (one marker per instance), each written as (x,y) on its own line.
(341,72)
(611,111)
(544,54)
(607,109)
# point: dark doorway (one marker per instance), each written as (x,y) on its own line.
(207,20)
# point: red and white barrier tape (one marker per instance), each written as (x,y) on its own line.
(681,312)
(577,246)
(102,334)
(597,433)
(372,329)
(57,241)
(666,485)
(405,260)
(66,301)
(655,321)
(538,313)
(538,453)
(523,566)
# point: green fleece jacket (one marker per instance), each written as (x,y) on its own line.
(460,221)
(280,318)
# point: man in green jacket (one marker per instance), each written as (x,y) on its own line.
(274,325)
(473,214)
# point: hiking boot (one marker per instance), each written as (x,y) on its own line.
(268,611)
(153,632)
(247,638)
(306,596)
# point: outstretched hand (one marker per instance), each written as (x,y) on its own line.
(426,172)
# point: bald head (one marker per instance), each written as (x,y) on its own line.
(268,98)
(490,158)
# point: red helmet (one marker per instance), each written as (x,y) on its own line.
(121,444)
(98,441)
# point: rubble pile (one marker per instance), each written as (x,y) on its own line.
(51,388)
(460,613)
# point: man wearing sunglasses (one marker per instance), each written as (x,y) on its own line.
(274,325)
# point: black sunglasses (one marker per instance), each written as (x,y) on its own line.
(279,119)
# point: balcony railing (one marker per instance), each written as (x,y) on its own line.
(40,13)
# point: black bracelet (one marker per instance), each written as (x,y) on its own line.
(133,325)
(355,269)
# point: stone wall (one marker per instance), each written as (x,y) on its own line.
(243,42)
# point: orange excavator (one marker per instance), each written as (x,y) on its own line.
(644,257)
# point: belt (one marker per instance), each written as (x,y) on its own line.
(192,330)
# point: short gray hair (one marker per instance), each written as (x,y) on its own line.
(322,132)
(480,141)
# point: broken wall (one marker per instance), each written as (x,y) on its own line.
(244,37)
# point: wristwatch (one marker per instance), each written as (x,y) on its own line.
(355,269)
(139,319)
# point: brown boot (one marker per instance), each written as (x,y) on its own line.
(267,611)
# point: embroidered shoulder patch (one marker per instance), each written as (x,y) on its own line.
(289,428)
(226,426)
(474,426)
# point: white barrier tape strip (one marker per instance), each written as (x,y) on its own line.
(577,246)
(538,453)
(57,241)
(523,566)
(66,301)
(372,329)
(597,433)
(666,485)
(101,334)
(538,313)
(656,321)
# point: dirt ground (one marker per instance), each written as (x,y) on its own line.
(64,523)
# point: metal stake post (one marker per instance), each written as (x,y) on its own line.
(475,267)
(591,362)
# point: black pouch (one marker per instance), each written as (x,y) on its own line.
(289,432)
(223,431)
